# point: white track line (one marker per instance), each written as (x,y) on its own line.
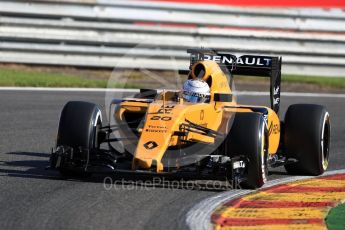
(240,93)
(291,94)
(199,216)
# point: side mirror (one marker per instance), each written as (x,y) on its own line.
(223,97)
(147,94)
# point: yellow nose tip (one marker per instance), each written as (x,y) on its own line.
(147,163)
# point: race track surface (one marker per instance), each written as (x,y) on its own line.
(33,198)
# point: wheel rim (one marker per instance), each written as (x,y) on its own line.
(263,154)
(325,141)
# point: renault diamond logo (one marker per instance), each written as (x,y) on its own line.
(150,145)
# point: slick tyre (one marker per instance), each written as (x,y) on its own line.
(247,137)
(307,139)
(78,129)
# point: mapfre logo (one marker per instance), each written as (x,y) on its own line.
(243,60)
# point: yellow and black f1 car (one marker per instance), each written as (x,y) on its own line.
(164,134)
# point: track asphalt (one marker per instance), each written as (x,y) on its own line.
(33,198)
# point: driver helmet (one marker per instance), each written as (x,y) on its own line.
(196,91)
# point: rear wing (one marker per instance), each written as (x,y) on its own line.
(246,65)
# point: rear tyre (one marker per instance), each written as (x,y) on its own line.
(78,129)
(307,139)
(247,137)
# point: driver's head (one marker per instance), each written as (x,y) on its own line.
(196,91)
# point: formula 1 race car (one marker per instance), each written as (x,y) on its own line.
(162,133)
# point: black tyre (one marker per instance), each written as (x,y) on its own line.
(307,139)
(78,129)
(247,137)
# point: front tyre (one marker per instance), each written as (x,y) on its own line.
(78,131)
(247,137)
(307,139)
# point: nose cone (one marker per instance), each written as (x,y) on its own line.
(161,123)
(149,153)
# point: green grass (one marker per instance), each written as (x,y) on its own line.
(13,77)
(335,219)
(334,82)
(34,78)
